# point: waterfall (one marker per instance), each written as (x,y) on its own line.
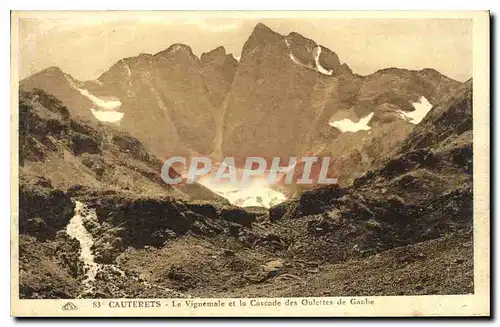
(77,230)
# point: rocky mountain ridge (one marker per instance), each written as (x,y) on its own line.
(287,96)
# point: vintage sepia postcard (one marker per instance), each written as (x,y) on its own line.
(253,164)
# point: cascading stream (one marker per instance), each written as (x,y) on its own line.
(77,230)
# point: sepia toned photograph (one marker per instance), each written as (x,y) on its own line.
(249,161)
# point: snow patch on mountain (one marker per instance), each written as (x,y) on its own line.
(320,68)
(107,116)
(317,67)
(101,103)
(106,109)
(422,107)
(347,125)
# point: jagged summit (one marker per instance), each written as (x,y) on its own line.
(177,48)
(261,28)
(218,53)
(301,50)
(299,39)
(261,34)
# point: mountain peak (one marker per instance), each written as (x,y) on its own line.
(50,71)
(296,35)
(219,50)
(214,54)
(263,33)
(52,74)
(261,28)
(177,48)
(54,69)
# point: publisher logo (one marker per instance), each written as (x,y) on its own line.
(69,306)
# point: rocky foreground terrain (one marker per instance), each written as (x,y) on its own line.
(404,227)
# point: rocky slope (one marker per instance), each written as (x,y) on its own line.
(419,193)
(404,227)
(57,150)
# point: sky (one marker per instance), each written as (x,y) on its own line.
(88,44)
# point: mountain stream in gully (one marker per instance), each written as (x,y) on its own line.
(76,229)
